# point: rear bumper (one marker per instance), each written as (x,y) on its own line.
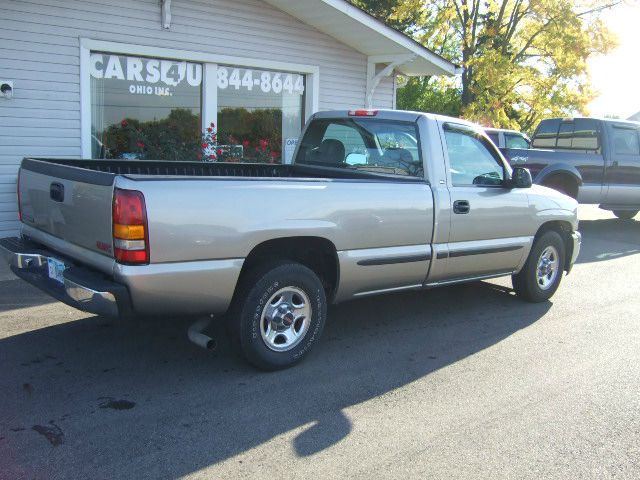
(83,288)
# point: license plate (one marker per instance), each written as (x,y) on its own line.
(56,267)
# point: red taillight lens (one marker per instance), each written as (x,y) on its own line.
(363,113)
(18,192)
(130,230)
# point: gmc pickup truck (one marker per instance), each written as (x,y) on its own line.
(374,202)
(593,160)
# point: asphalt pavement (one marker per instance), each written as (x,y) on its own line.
(460,382)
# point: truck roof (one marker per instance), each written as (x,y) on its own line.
(600,119)
(402,115)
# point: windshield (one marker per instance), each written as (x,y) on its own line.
(381,146)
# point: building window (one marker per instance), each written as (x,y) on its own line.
(260,114)
(145,108)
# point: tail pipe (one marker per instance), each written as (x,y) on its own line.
(200,339)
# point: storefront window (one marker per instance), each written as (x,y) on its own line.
(260,114)
(144,108)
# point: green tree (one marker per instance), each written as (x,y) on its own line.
(522,60)
(404,16)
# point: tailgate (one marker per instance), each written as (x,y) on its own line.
(71,203)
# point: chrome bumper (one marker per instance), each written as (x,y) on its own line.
(577,243)
(83,288)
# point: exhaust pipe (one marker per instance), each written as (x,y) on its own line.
(200,339)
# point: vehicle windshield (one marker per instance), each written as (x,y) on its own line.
(367,144)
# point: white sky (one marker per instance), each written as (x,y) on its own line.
(616,76)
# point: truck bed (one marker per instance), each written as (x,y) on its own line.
(195,169)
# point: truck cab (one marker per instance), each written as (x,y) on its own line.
(594,160)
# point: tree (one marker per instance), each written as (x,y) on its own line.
(404,16)
(522,60)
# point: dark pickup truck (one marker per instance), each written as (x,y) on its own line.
(592,160)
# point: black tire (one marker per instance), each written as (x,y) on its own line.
(625,214)
(245,319)
(526,282)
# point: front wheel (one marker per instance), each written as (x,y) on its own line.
(278,315)
(541,275)
(625,214)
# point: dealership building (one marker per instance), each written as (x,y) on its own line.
(144,79)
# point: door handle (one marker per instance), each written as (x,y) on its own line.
(461,206)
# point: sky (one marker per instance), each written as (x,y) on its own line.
(616,76)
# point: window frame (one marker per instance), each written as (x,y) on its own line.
(516,135)
(536,134)
(209,63)
(486,142)
(413,124)
(571,122)
(631,129)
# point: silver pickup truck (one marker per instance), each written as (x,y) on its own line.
(374,202)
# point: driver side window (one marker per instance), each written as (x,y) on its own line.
(471,160)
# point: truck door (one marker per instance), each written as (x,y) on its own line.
(623,169)
(489,222)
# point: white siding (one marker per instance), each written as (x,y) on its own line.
(41,54)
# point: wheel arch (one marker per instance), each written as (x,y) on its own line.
(564,229)
(562,174)
(316,253)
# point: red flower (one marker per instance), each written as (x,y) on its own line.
(264,144)
(219,151)
(124,122)
(245,143)
(140,145)
(274,155)
(204,145)
(212,156)
(209,129)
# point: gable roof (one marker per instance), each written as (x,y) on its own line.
(368,35)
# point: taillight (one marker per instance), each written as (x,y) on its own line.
(18,191)
(130,230)
(363,113)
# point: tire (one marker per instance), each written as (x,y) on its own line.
(278,315)
(532,285)
(625,214)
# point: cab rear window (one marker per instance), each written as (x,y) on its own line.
(366,144)
(578,134)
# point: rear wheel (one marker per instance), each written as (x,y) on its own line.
(541,275)
(625,214)
(278,314)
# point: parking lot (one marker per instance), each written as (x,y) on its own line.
(460,382)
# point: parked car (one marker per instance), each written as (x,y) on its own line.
(375,202)
(503,138)
(593,160)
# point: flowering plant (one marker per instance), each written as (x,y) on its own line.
(179,137)
(209,145)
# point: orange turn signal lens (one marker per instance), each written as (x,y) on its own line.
(128,232)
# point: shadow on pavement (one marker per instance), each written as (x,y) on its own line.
(131,400)
(608,239)
(16,294)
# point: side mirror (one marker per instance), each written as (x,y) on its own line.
(521,178)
